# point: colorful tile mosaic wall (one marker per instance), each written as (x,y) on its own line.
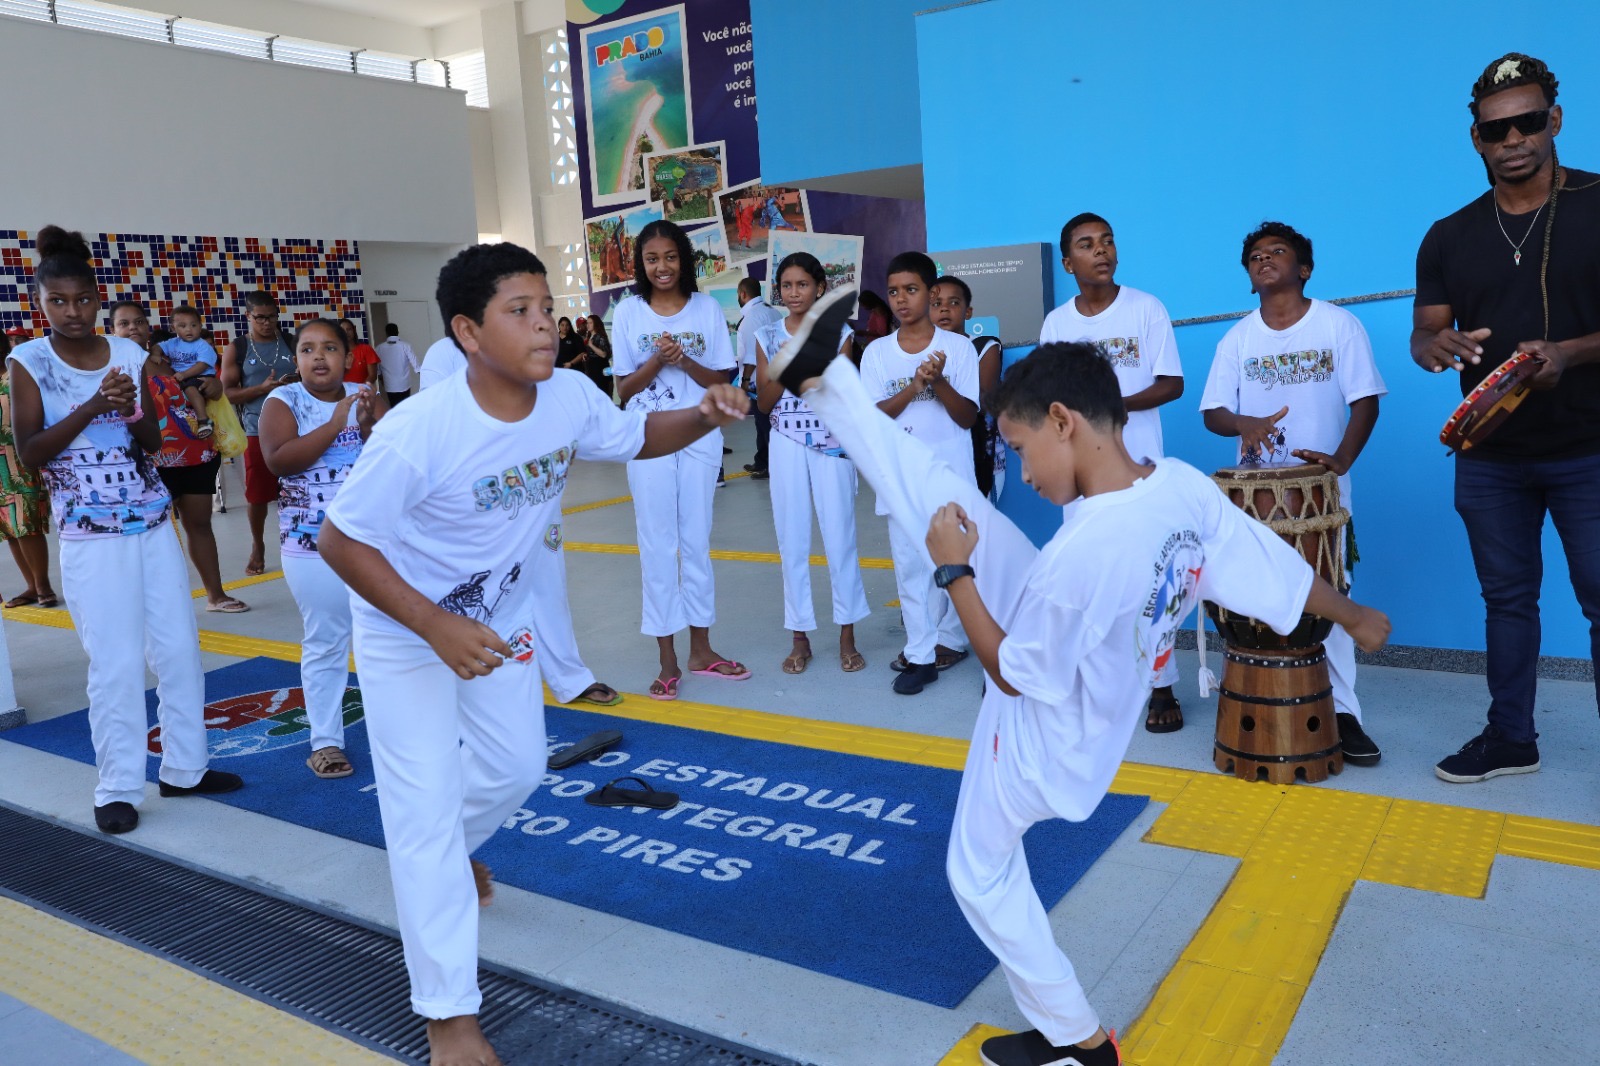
(310,278)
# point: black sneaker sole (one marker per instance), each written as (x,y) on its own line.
(1471,779)
(815,343)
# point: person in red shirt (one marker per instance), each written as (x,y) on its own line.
(363,357)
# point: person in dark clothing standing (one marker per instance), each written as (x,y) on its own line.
(1518,270)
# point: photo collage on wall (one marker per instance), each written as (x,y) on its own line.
(647,161)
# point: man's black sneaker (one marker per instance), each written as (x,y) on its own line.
(1488,755)
(815,343)
(759,475)
(116,817)
(1359,749)
(1031,1049)
(214,782)
(915,678)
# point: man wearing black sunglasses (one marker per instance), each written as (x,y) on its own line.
(1518,270)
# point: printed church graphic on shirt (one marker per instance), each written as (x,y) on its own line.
(794,418)
(106,490)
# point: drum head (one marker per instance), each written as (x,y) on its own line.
(1270,473)
(1491,403)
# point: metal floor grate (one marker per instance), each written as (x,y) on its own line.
(332,971)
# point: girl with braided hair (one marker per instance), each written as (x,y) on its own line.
(1516,270)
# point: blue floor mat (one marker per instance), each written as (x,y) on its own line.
(823,860)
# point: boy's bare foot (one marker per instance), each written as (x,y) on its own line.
(483,878)
(459,1042)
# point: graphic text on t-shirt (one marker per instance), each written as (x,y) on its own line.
(527,484)
(1290,368)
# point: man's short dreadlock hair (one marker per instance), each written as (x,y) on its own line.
(1509,72)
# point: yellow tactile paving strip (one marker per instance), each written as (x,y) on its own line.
(720,554)
(152,1009)
(1236,987)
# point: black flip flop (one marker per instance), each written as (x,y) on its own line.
(611,795)
(1165,706)
(585,749)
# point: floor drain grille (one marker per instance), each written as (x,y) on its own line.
(330,970)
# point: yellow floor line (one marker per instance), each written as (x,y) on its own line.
(720,554)
(1236,987)
(243,582)
(147,1007)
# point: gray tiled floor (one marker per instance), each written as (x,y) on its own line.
(1401,969)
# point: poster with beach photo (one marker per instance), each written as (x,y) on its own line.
(609,241)
(636,99)
(752,212)
(686,181)
(839,254)
(724,288)
(710,246)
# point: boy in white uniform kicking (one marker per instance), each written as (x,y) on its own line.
(1311,363)
(926,379)
(1070,637)
(1131,331)
(431,532)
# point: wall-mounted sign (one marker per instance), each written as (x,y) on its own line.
(1012,288)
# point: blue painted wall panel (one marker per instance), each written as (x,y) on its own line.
(1186,126)
(837,80)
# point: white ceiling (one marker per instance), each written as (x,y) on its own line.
(423,13)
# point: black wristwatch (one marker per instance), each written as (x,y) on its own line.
(950,573)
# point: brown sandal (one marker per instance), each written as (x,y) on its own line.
(329,763)
(796,662)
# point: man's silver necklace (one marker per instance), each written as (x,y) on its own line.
(1516,246)
(276,350)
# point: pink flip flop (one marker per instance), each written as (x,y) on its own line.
(712,671)
(669,689)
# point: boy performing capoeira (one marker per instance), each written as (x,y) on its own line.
(432,532)
(1069,636)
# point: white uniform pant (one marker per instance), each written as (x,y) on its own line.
(1341,651)
(324,603)
(672,499)
(453,759)
(987,868)
(129,600)
(803,477)
(554,640)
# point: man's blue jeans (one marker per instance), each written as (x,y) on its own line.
(1503,505)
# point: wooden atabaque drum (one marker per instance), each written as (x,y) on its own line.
(1275,714)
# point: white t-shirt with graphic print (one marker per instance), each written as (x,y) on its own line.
(701,330)
(102,484)
(1135,335)
(791,416)
(304,498)
(458,501)
(1087,643)
(1317,368)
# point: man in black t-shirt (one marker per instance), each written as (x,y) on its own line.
(1518,270)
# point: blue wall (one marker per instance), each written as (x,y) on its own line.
(837,80)
(1349,121)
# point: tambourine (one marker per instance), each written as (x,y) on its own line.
(1491,403)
